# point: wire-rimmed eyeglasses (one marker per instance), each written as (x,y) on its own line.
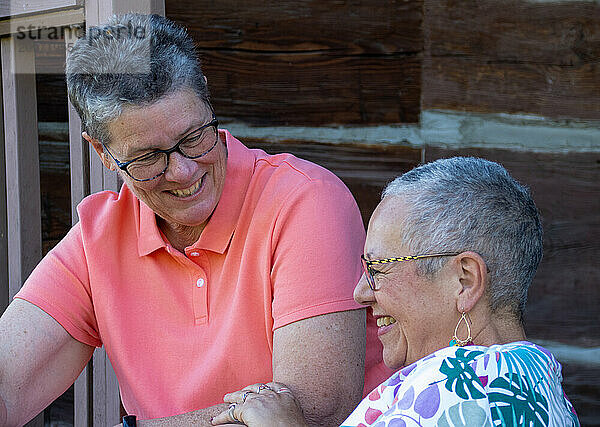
(369,272)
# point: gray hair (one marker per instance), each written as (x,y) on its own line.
(471,204)
(132,60)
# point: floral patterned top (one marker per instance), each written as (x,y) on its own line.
(516,384)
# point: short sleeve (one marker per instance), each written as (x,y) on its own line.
(317,241)
(59,285)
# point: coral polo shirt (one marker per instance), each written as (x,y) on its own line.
(183,328)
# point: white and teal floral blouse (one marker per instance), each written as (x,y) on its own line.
(516,384)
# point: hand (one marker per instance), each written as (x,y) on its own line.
(262,405)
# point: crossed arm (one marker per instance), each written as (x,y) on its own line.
(321,359)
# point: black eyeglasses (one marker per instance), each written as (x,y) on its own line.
(151,165)
(369,272)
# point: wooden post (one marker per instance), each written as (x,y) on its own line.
(80,187)
(3,212)
(99,385)
(24,226)
(78,149)
(107,403)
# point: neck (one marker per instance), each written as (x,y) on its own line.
(180,236)
(497,328)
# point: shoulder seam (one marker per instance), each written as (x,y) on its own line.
(290,165)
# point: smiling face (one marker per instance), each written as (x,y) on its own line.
(416,314)
(189,190)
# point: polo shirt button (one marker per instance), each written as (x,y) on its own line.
(200,283)
(194,253)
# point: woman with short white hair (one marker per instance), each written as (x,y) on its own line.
(451,251)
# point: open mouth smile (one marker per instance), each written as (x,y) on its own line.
(384,324)
(190,191)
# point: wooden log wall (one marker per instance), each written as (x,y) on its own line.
(367,63)
(512,56)
(309,61)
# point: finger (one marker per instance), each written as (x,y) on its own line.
(222,418)
(236,396)
(279,387)
(228,416)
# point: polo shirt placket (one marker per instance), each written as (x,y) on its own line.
(196,261)
(199,284)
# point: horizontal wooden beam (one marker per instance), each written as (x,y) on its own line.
(281,62)
(15,8)
(383,27)
(314,88)
(483,86)
(23,25)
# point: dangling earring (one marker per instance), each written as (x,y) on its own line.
(455,341)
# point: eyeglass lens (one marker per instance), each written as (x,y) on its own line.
(154,164)
(368,275)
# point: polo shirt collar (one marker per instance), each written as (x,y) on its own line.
(219,230)
(149,237)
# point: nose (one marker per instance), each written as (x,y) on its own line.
(363,293)
(180,167)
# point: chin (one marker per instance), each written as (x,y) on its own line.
(392,362)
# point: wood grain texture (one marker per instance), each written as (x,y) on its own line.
(309,62)
(3,215)
(564,298)
(56,207)
(512,57)
(22,165)
(312,89)
(580,384)
(349,27)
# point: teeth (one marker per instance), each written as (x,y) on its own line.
(385,321)
(187,191)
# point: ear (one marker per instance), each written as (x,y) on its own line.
(104,157)
(473,277)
